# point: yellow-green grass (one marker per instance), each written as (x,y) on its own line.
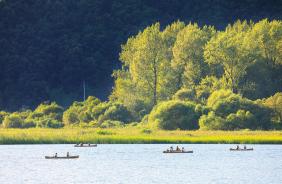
(134,135)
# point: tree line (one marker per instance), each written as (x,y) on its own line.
(186,76)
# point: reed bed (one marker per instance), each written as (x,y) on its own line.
(130,135)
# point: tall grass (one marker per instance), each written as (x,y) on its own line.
(134,135)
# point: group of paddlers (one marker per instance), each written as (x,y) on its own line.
(176,150)
(237,147)
(81,144)
(56,155)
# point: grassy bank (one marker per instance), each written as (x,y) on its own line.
(134,135)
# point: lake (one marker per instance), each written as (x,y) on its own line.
(141,163)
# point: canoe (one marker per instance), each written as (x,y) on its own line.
(69,157)
(86,145)
(177,151)
(248,149)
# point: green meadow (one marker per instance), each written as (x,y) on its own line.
(134,135)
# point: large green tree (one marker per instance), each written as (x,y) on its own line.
(228,49)
(265,39)
(188,51)
(144,60)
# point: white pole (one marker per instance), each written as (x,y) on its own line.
(84,90)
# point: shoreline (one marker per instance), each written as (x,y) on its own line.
(135,135)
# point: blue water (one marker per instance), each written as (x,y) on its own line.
(142,163)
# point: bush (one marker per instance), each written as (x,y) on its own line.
(238,112)
(99,110)
(117,112)
(234,121)
(211,122)
(81,112)
(13,121)
(28,123)
(3,114)
(70,117)
(224,102)
(201,109)
(49,123)
(171,115)
(46,115)
(207,85)
(111,124)
(145,119)
(241,120)
(275,103)
(50,109)
(185,94)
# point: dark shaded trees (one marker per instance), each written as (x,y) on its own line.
(49,47)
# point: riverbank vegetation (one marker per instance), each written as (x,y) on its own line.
(128,135)
(182,77)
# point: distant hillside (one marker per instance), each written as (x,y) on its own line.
(49,47)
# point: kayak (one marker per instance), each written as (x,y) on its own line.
(178,151)
(248,149)
(86,145)
(69,157)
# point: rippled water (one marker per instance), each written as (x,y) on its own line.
(142,163)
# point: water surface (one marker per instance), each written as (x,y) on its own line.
(140,163)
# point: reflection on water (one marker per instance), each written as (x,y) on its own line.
(141,163)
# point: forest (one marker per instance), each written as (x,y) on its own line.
(49,47)
(183,77)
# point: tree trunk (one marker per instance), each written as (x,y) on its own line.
(155,86)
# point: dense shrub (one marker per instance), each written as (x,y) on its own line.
(111,124)
(51,109)
(139,109)
(234,121)
(49,123)
(218,97)
(185,94)
(94,113)
(46,115)
(117,112)
(70,117)
(241,120)
(99,110)
(238,112)
(207,85)
(211,122)
(13,121)
(171,115)
(275,103)
(29,123)
(3,114)
(45,112)
(202,109)
(80,112)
